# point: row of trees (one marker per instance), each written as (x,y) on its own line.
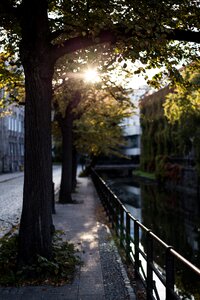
(40,32)
(87,117)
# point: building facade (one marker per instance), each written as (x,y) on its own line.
(12,140)
(132,131)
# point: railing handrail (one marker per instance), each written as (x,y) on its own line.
(114,213)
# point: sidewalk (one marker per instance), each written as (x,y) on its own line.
(102,276)
(10,176)
(56,175)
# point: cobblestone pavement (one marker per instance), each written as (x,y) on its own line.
(11,193)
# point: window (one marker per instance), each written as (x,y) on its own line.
(22,149)
(9,123)
(19,126)
(11,149)
(13,124)
(132,141)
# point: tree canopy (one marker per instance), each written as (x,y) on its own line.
(182,109)
(99,130)
(184,100)
(11,80)
(102,105)
(142,30)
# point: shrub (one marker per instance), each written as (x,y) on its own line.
(57,271)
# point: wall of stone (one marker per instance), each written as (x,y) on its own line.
(188,181)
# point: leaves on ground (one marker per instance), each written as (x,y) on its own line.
(59,270)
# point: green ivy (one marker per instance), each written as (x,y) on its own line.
(161,139)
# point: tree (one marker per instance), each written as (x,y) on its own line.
(11,83)
(74,94)
(69,91)
(65,122)
(40,32)
(182,108)
(99,129)
(80,105)
(185,98)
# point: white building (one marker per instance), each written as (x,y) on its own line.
(132,129)
(12,140)
(132,133)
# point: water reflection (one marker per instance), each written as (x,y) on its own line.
(171,215)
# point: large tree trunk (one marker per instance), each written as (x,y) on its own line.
(66,123)
(35,225)
(36,220)
(66,175)
(74,168)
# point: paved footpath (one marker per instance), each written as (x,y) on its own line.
(102,276)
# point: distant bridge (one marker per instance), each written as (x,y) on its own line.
(116,166)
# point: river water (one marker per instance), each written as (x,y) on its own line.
(173,216)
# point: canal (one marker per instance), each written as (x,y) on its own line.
(174,216)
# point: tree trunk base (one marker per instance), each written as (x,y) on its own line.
(65,199)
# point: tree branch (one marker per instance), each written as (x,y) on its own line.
(184,35)
(58,33)
(109,36)
(82,42)
(7,9)
(55,34)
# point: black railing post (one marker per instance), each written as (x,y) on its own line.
(114,215)
(101,192)
(53,198)
(149,265)
(136,246)
(128,233)
(117,212)
(107,202)
(121,226)
(170,278)
(112,211)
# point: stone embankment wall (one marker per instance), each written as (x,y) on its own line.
(188,180)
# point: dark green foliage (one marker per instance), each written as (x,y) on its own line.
(157,133)
(162,140)
(57,271)
(8,258)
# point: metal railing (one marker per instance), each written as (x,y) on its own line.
(129,231)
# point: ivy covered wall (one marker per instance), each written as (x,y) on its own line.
(165,148)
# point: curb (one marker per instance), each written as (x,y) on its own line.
(9,179)
(123,270)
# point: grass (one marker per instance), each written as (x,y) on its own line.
(144,174)
(57,271)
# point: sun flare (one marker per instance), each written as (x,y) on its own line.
(91,75)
